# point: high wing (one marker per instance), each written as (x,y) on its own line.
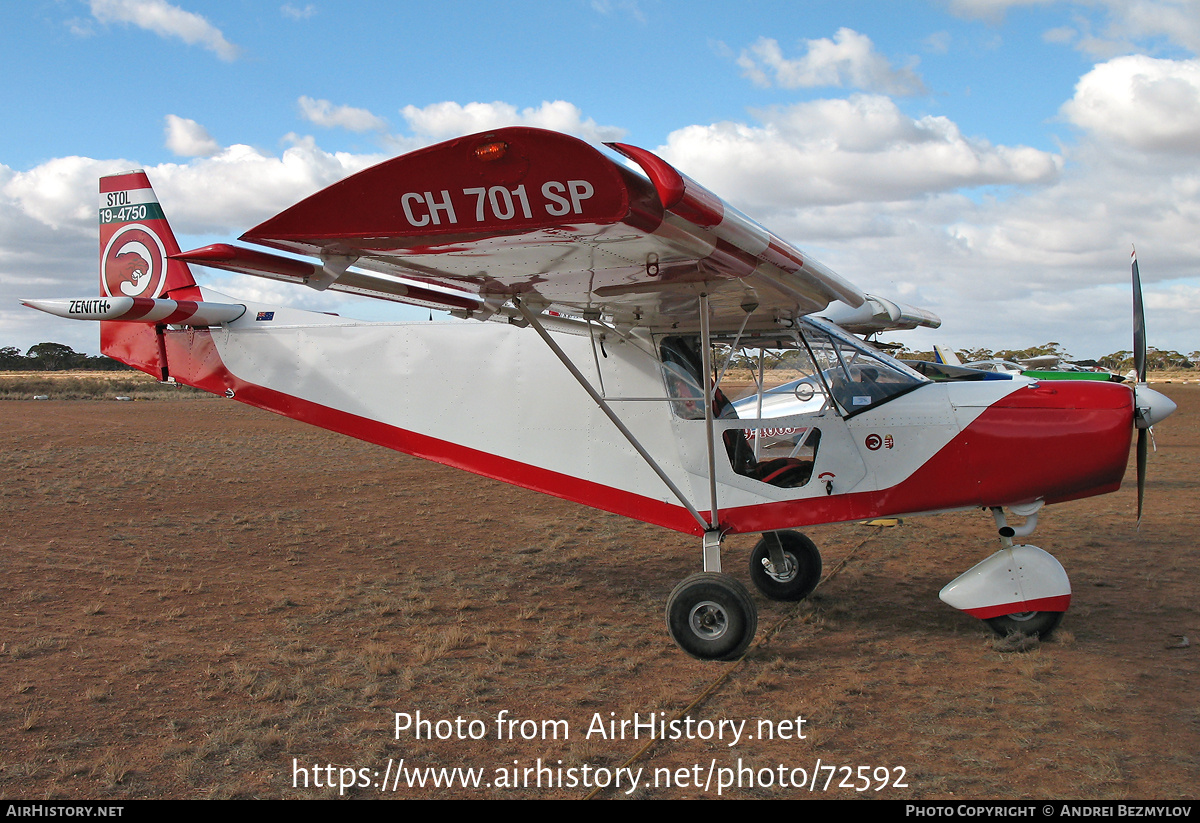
(470,224)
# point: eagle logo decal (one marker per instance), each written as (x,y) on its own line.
(134,263)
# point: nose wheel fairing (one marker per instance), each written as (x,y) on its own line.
(1017,580)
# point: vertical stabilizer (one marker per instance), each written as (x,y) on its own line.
(135,241)
(945,355)
(135,247)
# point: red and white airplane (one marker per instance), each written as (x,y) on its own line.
(613,281)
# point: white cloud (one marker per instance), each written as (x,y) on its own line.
(440,121)
(298,12)
(937,43)
(166,20)
(1106,28)
(911,208)
(991,9)
(862,149)
(48,232)
(48,246)
(325,113)
(60,194)
(225,193)
(610,7)
(1146,104)
(240,186)
(1176,20)
(48,213)
(187,138)
(849,60)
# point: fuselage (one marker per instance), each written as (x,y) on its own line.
(490,399)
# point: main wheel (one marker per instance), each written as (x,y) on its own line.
(711,616)
(1042,624)
(801,566)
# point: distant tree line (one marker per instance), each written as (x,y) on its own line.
(1121,361)
(55,357)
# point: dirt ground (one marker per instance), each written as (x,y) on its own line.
(201,600)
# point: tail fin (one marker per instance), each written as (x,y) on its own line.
(136,241)
(946,356)
(135,247)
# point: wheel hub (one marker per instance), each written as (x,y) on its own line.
(784,572)
(708,620)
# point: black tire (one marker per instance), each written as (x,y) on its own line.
(1041,624)
(712,616)
(803,570)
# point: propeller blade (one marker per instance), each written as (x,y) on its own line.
(1141,471)
(1139,325)
(1149,406)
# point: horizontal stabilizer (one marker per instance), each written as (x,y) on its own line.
(333,275)
(141,310)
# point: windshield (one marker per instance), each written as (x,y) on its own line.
(858,376)
(816,368)
(804,371)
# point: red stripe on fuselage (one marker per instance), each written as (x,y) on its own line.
(195,361)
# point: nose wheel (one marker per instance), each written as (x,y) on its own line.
(1042,624)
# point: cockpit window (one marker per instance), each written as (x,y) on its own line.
(814,371)
(682,371)
(781,456)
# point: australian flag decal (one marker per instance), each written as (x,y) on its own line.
(265,315)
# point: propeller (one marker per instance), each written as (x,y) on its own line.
(1149,406)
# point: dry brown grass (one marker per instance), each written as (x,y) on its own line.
(195,594)
(91,385)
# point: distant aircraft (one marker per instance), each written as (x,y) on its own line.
(607,283)
(1041,367)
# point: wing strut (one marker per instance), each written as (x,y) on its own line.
(706,359)
(533,321)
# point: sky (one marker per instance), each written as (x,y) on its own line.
(992,161)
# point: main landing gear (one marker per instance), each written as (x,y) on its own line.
(712,616)
(785,566)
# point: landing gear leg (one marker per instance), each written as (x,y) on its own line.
(711,615)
